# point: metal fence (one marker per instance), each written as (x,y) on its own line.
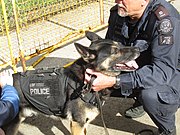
(33,27)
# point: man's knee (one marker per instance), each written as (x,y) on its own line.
(149,99)
(159,96)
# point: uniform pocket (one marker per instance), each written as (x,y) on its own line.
(169,97)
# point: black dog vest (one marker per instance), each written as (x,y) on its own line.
(45,89)
(49,89)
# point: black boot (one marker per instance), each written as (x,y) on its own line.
(173,132)
(136,111)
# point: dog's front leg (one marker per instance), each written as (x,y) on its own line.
(76,129)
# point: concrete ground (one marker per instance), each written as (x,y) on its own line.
(112,110)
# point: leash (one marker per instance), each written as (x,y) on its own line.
(101,113)
(87,88)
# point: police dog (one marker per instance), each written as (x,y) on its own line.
(62,92)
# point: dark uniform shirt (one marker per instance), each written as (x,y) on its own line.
(159,41)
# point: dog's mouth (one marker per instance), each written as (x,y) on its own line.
(126,66)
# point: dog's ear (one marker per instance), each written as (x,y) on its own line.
(87,54)
(92,36)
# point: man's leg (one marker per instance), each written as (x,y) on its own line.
(161,104)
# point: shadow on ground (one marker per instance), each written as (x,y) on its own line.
(110,110)
(45,124)
(49,62)
(113,112)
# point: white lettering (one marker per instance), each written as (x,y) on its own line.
(39,91)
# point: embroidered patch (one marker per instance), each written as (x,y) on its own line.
(38,88)
(166,39)
(161,12)
(165,26)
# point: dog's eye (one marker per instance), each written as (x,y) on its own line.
(115,50)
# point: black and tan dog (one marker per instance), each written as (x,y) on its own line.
(60,91)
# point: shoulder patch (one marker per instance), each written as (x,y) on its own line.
(166,40)
(165,26)
(161,12)
(114,8)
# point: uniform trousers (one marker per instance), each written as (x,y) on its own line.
(161,103)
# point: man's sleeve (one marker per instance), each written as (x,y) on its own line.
(6,112)
(9,104)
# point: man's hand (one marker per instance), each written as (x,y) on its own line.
(101,82)
(6,78)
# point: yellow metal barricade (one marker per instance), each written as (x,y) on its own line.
(33,27)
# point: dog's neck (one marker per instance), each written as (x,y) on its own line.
(78,69)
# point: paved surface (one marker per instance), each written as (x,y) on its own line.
(112,110)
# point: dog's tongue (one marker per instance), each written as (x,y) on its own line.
(128,66)
(132,63)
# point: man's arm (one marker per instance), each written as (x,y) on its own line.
(9,99)
(9,104)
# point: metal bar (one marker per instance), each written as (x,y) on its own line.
(21,52)
(101,5)
(8,35)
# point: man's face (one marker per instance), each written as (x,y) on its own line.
(129,7)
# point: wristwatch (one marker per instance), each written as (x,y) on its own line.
(117,85)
